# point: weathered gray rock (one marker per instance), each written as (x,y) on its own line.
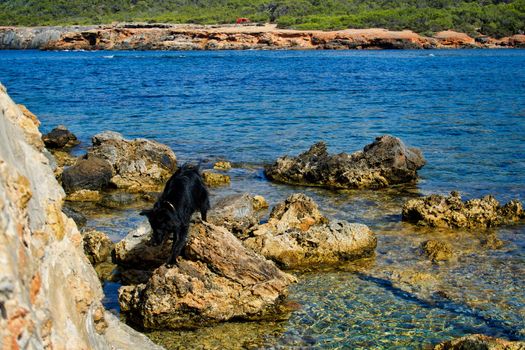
(219,280)
(138,165)
(386,161)
(77,216)
(480,342)
(50,296)
(237,213)
(97,246)
(60,137)
(87,174)
(451,211)
(298,235)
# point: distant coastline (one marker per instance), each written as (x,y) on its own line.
(141,36)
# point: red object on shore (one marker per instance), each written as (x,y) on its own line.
(242,20)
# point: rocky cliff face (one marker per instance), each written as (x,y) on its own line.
(193,37)
(50,296)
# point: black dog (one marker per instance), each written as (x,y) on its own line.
(183,194)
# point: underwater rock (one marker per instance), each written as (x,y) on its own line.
(215,179)
(297,235)
(87,174)
(60,137)
(97,246)
(119,200)
(452,212)
(437,251)
(386,161)
(237,213)
(137,165)
(218,280)
(480,342)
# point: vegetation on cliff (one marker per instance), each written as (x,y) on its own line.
(491,17)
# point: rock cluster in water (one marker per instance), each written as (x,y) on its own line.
(137,165)
(451,211)
(224,276)
(479,342)
(386,161)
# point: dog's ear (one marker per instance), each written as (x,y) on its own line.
(146,212)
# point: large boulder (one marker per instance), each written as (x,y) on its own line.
(298,235)
(386,161)
(219,280)
(480,342)
(453,212)
(138,165)
(92,173)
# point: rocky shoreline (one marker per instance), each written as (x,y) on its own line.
(236,266)
(136,36)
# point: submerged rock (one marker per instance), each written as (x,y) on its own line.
(298,235)
(87,174)
(219,280)
(137,165)
(60,137)
(386,161)
(480,342)
(437,251)
(77,216)
(451,211)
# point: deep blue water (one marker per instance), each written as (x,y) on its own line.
(464,108)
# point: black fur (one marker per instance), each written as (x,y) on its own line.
(183,194)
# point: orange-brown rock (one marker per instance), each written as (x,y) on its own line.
(452,39)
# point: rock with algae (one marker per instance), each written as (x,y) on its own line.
(451,211)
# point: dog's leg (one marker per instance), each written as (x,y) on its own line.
(204,207)
(179,241)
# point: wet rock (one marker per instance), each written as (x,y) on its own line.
(237,213)
(87,174)
(491,241)
(298,235)
(97,246)
(451,211)
(437,251)
(215,179)
(219,280)
(84,196)
(222,165)
(60,137)
(137,165)
(386,161)
(259,202)
(480,342)
(77,216)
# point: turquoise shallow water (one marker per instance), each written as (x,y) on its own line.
(464,109)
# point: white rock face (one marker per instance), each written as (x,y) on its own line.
(50,296)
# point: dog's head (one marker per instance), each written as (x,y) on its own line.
(161,222)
